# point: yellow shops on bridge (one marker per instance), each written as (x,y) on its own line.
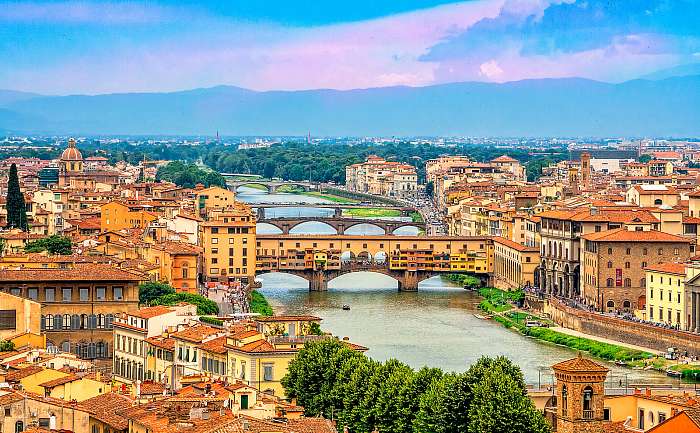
(337,254)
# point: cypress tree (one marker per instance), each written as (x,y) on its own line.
(16,208)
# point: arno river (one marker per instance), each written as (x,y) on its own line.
(435,326)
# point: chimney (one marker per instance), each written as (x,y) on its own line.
(647,392)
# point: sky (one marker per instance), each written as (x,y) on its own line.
(93,46)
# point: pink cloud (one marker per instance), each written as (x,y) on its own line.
(85,12)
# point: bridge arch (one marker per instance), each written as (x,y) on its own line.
(408,229)
(252,184)
(320,228)
(364,228)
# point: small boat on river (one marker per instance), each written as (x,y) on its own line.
(346,307)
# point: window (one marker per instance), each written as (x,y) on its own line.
(627,265)
(8,319)
(100,293)
(675,251)
(628,282)
(587,402)
(628,251)
(644,265)
(67,294)
(84,294)
(610,264)
(609,282)
(661,251)
(117,293)
(645,251)
(49,294)
(214,241)
(215,230)
(33,294)
(609,251)
(267,372)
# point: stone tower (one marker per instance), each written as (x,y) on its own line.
(580,396)
(586,169)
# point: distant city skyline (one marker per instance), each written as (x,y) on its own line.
(93,47)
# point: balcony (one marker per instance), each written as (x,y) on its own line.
(587,414)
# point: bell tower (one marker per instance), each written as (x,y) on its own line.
(580,396)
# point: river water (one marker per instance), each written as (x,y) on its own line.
(435,326)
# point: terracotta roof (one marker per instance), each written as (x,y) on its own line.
(59,381)
(668,268)
(148,312)
(580,365)
(195,333)
(215,345)
(514,245)
(162,342)
(152,388)
(624,235)
(16,376)
(81,272)
(504,158)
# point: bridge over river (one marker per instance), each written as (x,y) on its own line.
(408,259)
(340,224)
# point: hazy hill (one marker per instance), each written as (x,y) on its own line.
(561,107)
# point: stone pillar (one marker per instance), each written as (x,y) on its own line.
(285,229)
(318,282)
(410,282)
(340,229)
(338,212)
(693,313)
(261,213)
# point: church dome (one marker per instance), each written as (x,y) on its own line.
(71,153)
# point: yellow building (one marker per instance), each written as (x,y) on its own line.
(213,197)
(18,316)
(72,387)
(228,239)
(117,216)
(178,263)
(666,294)
(646,409)
(514,264)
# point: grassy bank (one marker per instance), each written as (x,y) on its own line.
(258,304)
(257,186)
(329,197)
(372,212)
(416,217)
(464,280)
(497,301)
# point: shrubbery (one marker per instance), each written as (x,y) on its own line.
(204,305)
(258,304)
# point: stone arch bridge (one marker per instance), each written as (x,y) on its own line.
(340,224)
(271,185)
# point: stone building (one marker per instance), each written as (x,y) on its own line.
(613,262)
(580,396)
(561,231)
(78,303)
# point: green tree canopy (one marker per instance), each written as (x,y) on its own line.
(205,306)
(16,207)
(150,290)
(53,244)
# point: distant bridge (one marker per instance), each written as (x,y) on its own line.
(340,224)
(271,185)
(337,208)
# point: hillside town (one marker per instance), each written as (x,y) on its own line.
(601,245)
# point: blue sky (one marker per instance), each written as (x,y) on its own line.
(90,46)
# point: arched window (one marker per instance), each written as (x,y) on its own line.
(101,350)
(587,400)
(628,282)
(611,304)
(564,399)
(75,321)
(609,282)
(57,322)
(642,282)
(92,352)
(66,321)
(108,321)
(658,202)
(43,322)
(610,251)
(626,304)
(609,265)
(100,321)
(65,346)
(627,265)
(19,427)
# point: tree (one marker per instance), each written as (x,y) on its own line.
(269,169)
(16,207)
(644,158)
(205,306)
(6,346)
(151,290)
(311,375)
(54,245)
(393,404)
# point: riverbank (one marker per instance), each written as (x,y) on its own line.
(466,281)
(259,304)
(372,212)
(498,303)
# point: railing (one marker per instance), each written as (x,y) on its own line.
(587,414)
(284,339)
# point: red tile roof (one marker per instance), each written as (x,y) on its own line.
(81,272)
(624,235)
(580,365)
(668,268)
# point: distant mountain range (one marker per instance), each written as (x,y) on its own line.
(547,107)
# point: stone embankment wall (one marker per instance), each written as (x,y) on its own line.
(639,334)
